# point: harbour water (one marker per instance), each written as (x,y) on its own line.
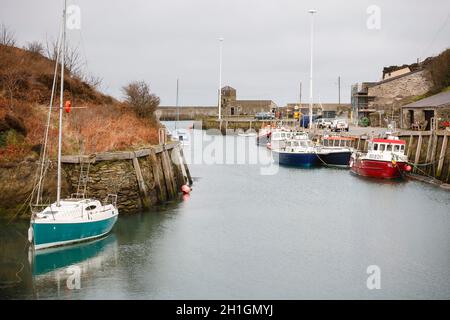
(295,234)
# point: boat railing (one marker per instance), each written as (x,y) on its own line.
(111,198)
(77,195)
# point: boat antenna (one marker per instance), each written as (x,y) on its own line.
(61,100)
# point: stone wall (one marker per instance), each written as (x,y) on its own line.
(140,179)
(186,113)
(389,95)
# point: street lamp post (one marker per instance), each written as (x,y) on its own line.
(220,77)
(312,11)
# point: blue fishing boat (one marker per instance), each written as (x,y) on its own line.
(76,218)
(335,151)
(299,152)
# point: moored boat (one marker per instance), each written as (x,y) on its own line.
(279,136)
(385,158)
(335,151)
(298,151)
(66,220)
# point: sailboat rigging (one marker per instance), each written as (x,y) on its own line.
(76,218)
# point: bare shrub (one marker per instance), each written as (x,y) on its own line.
(7,36)
(72,57)
(35,47)
(138,95)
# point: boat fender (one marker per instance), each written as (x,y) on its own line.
(185,189)
(67,106)
(393,162)
(408,168)
(30,234)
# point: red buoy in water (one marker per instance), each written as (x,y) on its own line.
(185,188)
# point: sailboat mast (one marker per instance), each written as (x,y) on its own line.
(61,100)
(178,112)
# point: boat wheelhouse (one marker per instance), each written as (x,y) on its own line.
(385,158)
(279,137)
(335,150)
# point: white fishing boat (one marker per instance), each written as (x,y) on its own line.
(76,218)
(279,137)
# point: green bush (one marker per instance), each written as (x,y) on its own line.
(364,122)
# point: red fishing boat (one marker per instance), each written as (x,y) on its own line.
(385,158)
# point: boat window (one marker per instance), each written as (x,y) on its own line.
(382,146)
(402,148)
(91,208)
(325,143)
(396,148)
(389,147)
(283,135)
(295,144)
(375,146)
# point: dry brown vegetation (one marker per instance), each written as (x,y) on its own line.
(96,123)
(439,68)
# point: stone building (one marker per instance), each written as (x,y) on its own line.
(422,113)
(381,101)
(231,106)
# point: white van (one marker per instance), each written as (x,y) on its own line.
(339,125)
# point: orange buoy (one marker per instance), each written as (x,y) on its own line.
(185,189)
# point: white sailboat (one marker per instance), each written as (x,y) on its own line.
(180,134)
(76,218)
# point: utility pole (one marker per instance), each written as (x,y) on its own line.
(339,89)
(220,77)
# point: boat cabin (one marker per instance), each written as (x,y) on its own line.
(293,145)
(337,141)
(387,145)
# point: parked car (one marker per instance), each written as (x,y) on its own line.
(339,125)
(323,123)
(264,116)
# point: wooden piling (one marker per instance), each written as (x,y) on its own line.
(418,149)
(408,153)
(157,179)
(186,168)
(171,186)
(442,156)
(141,184)
(433,154)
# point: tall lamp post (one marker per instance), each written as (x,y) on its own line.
(220,77)
(312,11)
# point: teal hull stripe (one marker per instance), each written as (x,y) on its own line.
(47,233)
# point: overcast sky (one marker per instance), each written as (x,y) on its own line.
(266,52)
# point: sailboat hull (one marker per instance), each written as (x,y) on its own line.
(52,234)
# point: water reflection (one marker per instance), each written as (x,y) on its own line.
(88,254)
(63,271)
